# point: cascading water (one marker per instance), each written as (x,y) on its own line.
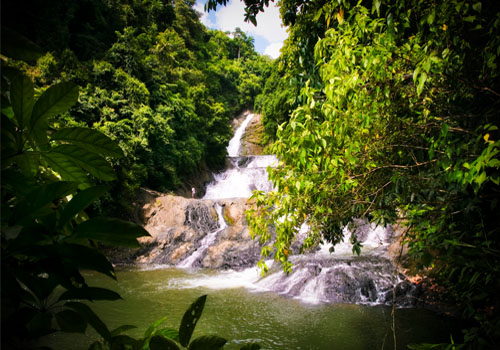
(317,277)
(207,241)
(244,173)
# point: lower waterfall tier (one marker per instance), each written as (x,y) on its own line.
(191,233)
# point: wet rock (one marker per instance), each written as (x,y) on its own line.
(178,225)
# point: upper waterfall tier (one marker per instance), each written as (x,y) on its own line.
(234,147)
(243,174)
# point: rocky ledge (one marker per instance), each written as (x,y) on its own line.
(178,225)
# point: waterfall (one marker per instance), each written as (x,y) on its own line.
(207,241)
(317,277)
(244,173)
(233,149)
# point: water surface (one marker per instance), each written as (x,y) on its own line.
(241,315)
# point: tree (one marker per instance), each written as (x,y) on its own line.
(398,122)
(47,238)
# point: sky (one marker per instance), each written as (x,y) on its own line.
(269,33)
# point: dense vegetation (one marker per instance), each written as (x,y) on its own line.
(396,122)
(381,110)
(98,99)
(152,77)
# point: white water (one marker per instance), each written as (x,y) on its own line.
(318,277)
(207,241)
(233,149)
(244,175)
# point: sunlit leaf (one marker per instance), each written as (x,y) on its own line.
(56,100)
(70,160)
(80,202)
(89,139)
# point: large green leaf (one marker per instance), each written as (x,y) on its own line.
(69,160)
(189,320)
(207,342)
(112,231)
(91,318)
(160,343)
(80,202)
(55,100)
(90,293)
(28,162)
(169,333)
(19,47)
(41,197)
(153,327)
(85,258)
(89,139)
(71,321)
(66,168)
(22,99)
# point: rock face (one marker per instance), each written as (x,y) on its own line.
(253,138)
(178,227)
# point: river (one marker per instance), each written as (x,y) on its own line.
(241,315)
(337,301)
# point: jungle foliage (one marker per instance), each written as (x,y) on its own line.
(396,122)
(151,77)
(98,99)
(48,181)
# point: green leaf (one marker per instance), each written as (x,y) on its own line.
(189,320)
(91,318)
(169,333)
(66,168)
(121,329)
(421,81)
(160,343)
(18,47)
(152,328)
(90,293)
(251,346)
(71,321)
(69,160)
(22,99)
(56,100)
(80,202)
(41,197)
(85,258)
(207,342)
(89,139)
(109,230)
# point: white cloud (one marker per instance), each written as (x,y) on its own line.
(204,15)
(268,22)
(273,49)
